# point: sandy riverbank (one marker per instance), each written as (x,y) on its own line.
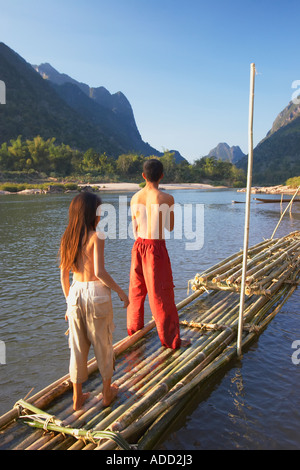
(132,187)
(136,187)
(119,187)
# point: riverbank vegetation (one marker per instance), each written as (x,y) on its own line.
(293,182)
(28,161)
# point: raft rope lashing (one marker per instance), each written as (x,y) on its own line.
(48,422)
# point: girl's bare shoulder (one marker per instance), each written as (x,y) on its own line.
(97,235)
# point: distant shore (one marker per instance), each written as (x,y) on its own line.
(118,187)
(167,186)
(279,189)
(132,187)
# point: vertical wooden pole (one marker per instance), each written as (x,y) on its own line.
(247,212)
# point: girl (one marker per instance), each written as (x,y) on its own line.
(89,306)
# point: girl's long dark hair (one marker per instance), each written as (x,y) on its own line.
(82,219)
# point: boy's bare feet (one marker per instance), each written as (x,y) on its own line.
(185,343)
(109,394)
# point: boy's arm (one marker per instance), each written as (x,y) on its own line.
(170,219)
(133,219)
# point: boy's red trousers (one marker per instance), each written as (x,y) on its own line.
(151,273)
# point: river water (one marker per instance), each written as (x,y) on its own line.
(254,404)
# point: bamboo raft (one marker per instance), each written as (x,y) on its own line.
(156,384)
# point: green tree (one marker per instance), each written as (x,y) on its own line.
(60,159)
(130,165)
(169,163)
(6,159)
(90,160)
(39,150)
(19,152)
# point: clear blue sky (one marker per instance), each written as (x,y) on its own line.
(184,65)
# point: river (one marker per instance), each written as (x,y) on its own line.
(254,404)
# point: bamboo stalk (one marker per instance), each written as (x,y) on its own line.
(138,394)
(256,259)
(269,264)
(163,423)
(167,382)
(230,261)
(233,273)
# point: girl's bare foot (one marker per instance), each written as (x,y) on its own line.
(79,401)
(109,394)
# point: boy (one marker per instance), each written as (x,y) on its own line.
(152,212)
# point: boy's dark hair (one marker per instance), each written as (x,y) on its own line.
(153,169)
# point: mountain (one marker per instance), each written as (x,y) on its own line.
(226,153)
(112,112)
(290,112)
(34,108)
(117,102)
(277,157)
(42,101)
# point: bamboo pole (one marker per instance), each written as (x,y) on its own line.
(247,214)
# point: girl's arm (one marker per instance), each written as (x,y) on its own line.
(65,281)
(102,274)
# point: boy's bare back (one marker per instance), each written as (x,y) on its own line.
(152,212)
